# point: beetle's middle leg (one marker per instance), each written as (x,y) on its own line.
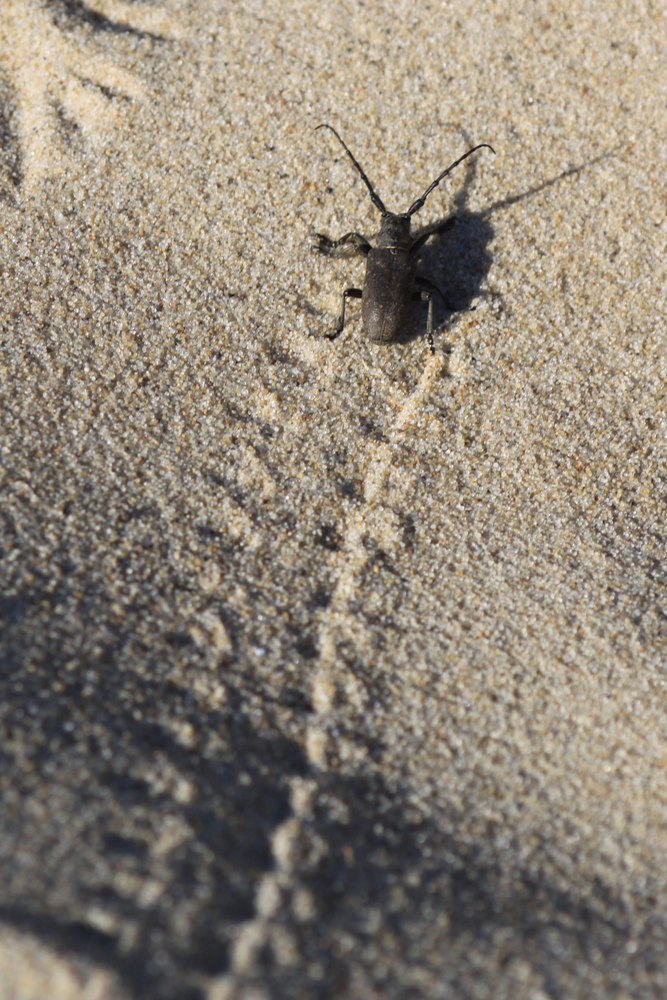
(349,293)
(430,286)
(426,290)
(427,294)
(350,245)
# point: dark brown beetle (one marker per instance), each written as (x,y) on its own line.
(390,280)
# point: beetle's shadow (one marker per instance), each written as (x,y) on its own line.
(456,260)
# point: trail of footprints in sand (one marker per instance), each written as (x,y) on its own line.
(330,688)
(56,87)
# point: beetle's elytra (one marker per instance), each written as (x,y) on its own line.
(391,279)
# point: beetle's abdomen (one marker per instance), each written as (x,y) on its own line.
(387,293)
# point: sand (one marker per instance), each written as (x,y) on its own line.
(331,669)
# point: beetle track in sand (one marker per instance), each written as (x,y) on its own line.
(327,692)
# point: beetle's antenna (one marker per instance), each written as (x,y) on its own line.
(416,205)
(375,198)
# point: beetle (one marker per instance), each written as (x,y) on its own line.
(390,279)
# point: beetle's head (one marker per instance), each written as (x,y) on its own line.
(394,230)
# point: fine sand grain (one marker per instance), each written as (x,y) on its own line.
(331,669)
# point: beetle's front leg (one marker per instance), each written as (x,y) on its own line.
(438,229)
(349,293)
(350,245)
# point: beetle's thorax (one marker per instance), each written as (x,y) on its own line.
(394,232)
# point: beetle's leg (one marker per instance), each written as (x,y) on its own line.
(426,290)
(426,295)
(349,293)
(427,285)
(350,245)
(441,228)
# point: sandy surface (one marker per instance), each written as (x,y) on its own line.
(331,669)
